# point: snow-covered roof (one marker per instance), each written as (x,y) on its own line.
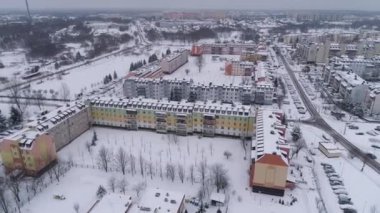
(159,200)
(269,135)
(24,137)
(174,106)
(113,203)
(351,78)
(56,116)
(174,55)
(218,197)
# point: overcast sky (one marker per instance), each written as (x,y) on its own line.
(195,4)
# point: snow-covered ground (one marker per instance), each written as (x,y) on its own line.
(211,70)
(80,184)
(362,187)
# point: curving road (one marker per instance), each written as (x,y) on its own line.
(317,121)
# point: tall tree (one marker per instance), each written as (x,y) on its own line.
(3,122)
(122,160)
(104,158)
(15,117)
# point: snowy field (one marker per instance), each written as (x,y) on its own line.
(362,187)
(212,70)
(158,150)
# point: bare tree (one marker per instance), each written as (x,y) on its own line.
(199,63)
(203,172)
(138,188)
(58,170)
(192,178)
(88,147)
(181,173)
(150,169)
(14,187)
(15,94)
(141,163)
(219,176)
(122,185)
(373,209)
(104,158)
(170,171)
(298,146)
(122,160)
(35,185)
(112,183)
(4,202)
(227,154)
(201,196)
(132,160)
(65,91)
(76,207)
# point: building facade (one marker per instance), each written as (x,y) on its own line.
(28,150)
(182,118)
(269,154)
(345,86)
(221,48)
(188,90)
(172,62)
(239,68)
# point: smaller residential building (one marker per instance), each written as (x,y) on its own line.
(162,201)
(329,149)
(254,56)
(269,154)
(29,151)
(239,68)
(345,86)
(172,62)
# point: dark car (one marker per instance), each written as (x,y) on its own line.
(336,183)
(345,202)
(372,156)
(359,133)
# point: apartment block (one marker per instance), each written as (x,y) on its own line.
(269,154)
(182,117)
(254,56)
(172,62)
(345,86)
(64,124)
(239,68)
(368,69)
(222,48)
(28,150)
(188,90)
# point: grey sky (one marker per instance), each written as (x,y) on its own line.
(196,4)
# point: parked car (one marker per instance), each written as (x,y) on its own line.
(340,191)
(336,183)
(359,133)
(372,156)
(353,126)
(345,201)
(333,178)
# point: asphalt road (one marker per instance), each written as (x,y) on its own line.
(317,121)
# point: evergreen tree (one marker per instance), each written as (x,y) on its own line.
(114,75)
(16,117)
(78,56)
(144,62)
(3,122)
(168,52)
(131,67)
(109,77)
(94,139)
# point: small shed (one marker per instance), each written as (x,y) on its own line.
(329,149)
(217,199)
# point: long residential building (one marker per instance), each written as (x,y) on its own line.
(269,154)
(184,89)
(172,62)
(368,69)
(182,117)
(222,48)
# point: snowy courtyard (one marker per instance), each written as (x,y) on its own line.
(154,152)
